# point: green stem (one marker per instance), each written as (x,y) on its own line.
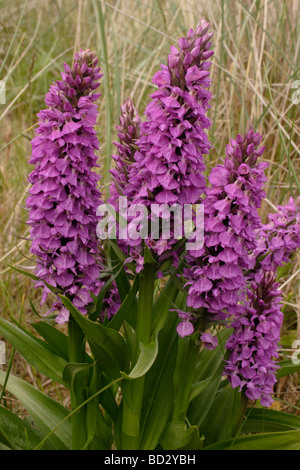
(76,347)
(133,390)
(145,305)
(183,376)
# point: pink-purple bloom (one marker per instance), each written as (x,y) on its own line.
(64,194)
(254,343)
(215,274)
(279,239)
(168,162)
(128,133)
(209,341)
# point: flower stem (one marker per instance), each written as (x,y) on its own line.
(76,347)
(133,390)
(184,372)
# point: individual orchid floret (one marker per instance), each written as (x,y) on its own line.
(64,194)
(185,327)
(253,345)
(209,341)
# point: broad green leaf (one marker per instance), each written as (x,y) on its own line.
(102,438)
(33,351)
(163,304)
(207,380)
(287,368)
(208,376)
(76,375)
(201,405)
(183,375)
(99,432)
(199,387)
(226,409)
(55,338)
(268,420)
(4,447)
(148,258)
(177,436)
(127,308)
(97,305)
(158,390)
(17,433)
(107,397)
(44,411)
(124,288)
(130,335)
(209,362)
(107,345)
(148,353)
(118,252)
(287,440)
(4,439)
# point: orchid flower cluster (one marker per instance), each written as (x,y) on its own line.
(64,195)
(228,282)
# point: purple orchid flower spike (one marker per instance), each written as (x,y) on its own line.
(253,345)
(64,194)
(167,160)
(215,274)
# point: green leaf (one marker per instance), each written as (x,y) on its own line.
(76,377)
(201,405)
(158,390)
(55,338)
(199,387)
(44,411)
(148,353)
(4,439)
(162,305)
(99,431)
(16,433)
(22,271)
(107,345)
(148,257)
(33,351)
(35,278)
(125,310)
(208,372)
(124,287)
(118,252)
(287,368)
(98,301)
(221,420)
(288,440)
(183,376)
(210,361)
(259,420)
(177,436)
